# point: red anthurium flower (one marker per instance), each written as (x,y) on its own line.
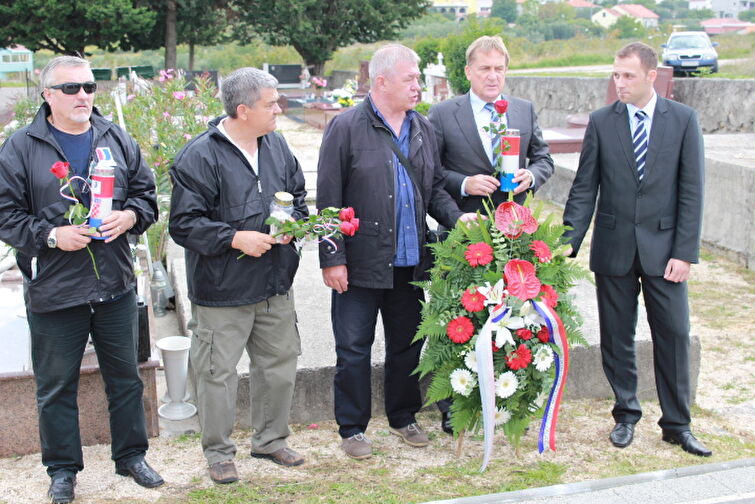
(346,214)
(501,106)
(348,228)
(521,280)
(525,334)
(519,358)
(542,252)
(550,296)
(543,334)
(478,254)
(460,330)
(60,169)
(472,300)
(512,218)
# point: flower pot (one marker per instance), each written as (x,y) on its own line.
(175,354)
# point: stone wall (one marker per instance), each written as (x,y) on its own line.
(723,105)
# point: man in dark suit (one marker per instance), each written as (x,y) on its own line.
(644,156)
(466,149)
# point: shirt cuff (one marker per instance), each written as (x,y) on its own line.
(461,190)
(532,179)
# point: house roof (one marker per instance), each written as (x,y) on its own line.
(724,22)
(17,48)
(637,11)
(581,4)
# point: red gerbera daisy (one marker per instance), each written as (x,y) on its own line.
(478,254)
(541,250)
(472,300)
(519,358)
(549,295)
(460,330)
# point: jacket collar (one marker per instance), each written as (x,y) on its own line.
(38,127)
(624,136)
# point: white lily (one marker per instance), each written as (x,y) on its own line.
(530,315)
(493,293)
(504,327)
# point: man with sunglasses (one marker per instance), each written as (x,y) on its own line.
(67,300)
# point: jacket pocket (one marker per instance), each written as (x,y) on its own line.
(202,352)
(667,222)
(247,216)
(368,228)
(605,220)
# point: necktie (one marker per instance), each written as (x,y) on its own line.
(640,142)
(495,139)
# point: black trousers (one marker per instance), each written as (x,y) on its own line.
(668,317)
(58,340)
(354,315)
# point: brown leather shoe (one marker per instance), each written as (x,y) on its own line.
(285,457)
(224,472)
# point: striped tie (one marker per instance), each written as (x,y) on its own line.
(495,140)
(640,142)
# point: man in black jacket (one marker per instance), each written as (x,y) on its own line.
(224,181)
(76,286)
(381,159)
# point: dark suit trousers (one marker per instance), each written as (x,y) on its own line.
(58,340)
(668,317)
(354,315)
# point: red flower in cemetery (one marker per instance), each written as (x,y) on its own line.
(472,300)
(543,334)
(549,295)
(541,250)
(521,280)
(501,106)
(460,330)
(60,169)
(478,254)
(525,334)
(349,228)
(512,218)
(346,214)
(519,358)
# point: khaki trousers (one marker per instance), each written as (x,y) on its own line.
(268,332)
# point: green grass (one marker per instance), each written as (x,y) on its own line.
(12,84)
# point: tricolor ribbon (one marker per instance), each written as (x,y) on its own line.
(67,185)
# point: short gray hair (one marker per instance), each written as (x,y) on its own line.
(46,76)
(386,58)
(244,87)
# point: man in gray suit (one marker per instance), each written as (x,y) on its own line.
(644,156)
(466,149)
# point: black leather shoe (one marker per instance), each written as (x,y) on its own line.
(142,473)
(445,422)
(61,489)
(688,442)
(622,434)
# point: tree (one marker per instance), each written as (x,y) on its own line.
(627,27)
(69,27)
(427,49)
(455,49)
(748,15)
(316,28)
(504,9)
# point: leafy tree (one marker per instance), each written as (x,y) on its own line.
(69,27)
(316,28)
(427,49)
(557,11)
(431,24)
(748,15)
(505,9)
(627,27)
(455,48)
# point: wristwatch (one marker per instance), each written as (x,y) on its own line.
(52,241)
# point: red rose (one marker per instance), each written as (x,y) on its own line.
(525,334)
(472,300)
(521,280)
(346,214)
(460,330)
(501,106)
(519,358)
(549,295)
(541,250)
(543,335)
(512,218)
(348,228)
(478,254)
(60,169)
(355,222)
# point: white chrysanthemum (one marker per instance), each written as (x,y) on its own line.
(502,415)
(506,385)
(543,358)
(463,381)
(470,359)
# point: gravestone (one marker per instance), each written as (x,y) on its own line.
(289,76)
(363,80)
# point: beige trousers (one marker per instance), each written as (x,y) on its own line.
(268,332)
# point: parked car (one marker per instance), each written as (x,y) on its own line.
(687,52)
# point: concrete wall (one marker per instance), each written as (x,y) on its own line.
(723,105)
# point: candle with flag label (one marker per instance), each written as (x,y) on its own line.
(103,181)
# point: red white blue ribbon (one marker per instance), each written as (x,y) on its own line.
(557,333)
(67,185)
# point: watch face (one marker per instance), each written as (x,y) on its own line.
(52,242)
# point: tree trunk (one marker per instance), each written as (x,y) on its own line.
(191,56)
(318,68)
(170,34)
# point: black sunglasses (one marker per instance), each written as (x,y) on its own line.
(72,88)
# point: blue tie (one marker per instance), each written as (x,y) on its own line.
(495,140)
(640,142)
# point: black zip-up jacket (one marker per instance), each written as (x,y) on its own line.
(356,170)
(215,194)
(30,206)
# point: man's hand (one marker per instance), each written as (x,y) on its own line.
(524,178)
(481,185)
(676,270)
(469,217)
(72,238)
(252,243)
(336,277)
(117,223)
